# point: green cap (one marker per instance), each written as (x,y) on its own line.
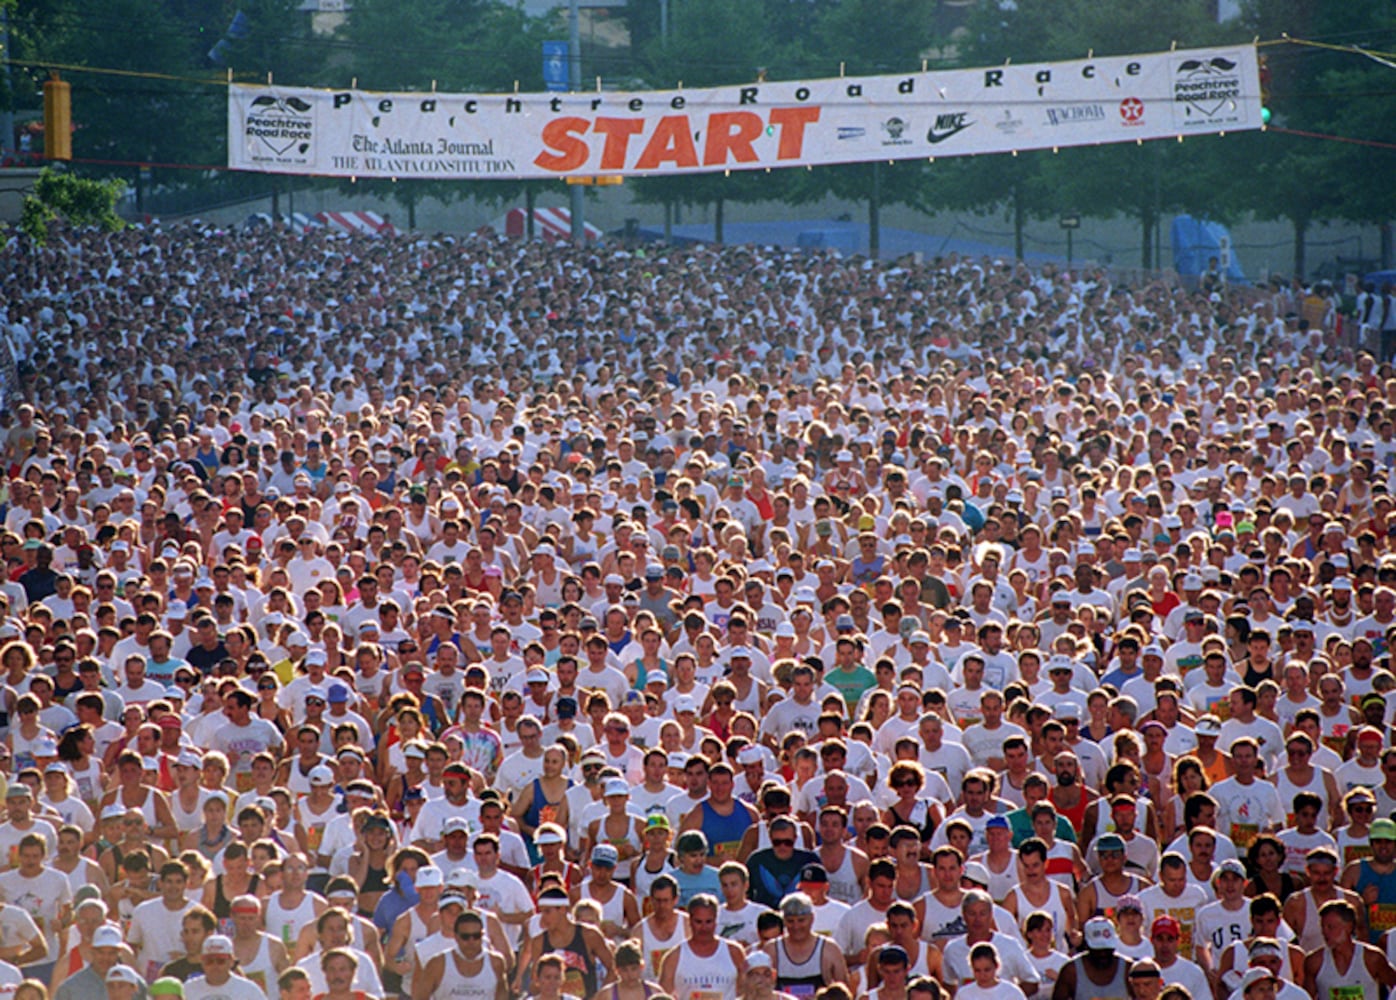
(167,986)
(1382,829)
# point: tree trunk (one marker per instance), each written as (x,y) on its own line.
(411,210)
(875,212)
(275,201)
(1301,229)
(717,220)
(1147,222)
(530,197)
(668,222)
(1385,245)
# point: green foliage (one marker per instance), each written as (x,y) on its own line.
(78,201)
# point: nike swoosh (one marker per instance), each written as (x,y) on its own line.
(932,136)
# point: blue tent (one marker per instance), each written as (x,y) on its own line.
(1195,241)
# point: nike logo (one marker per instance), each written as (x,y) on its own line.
(947,126)
(936,134)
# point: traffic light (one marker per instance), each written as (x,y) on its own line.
(58,119)
(1264,91)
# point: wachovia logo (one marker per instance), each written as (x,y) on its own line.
(280,129)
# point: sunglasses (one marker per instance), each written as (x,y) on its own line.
(474,936)
(315,701)
(783,842)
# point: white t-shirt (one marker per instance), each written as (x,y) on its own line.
(236,988)
(155,934)
(503,893)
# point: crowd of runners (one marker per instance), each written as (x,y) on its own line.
(464,619)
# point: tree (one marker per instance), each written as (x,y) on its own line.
(1144,182)
(448,45)
(163,107)
(710,43)
(78,201)
(869,36)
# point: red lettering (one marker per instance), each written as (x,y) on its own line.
(731,132)
(563,135)
(617,132)
(671,143)
(792,122)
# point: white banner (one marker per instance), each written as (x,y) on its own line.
(351,133)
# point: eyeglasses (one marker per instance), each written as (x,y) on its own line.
(783,842)
(904,783)
(1362,807)
(472,936)
(266,687)
(315,701)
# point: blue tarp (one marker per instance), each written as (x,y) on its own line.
(1195,241)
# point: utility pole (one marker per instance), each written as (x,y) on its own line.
(574,41)
(7,115)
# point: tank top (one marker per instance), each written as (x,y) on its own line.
(146,806)
(843,881)
(613,909)
(89,782)
(1381,915)
(457,984)
(1104,824)
(261,970)
(800,979)
(1311,936)
(193,818)
(923,887)
(1105,900)
(579,971)
(535,815)
(643,878)
(1053,906)
(1061,867)
(223,906)
(1355,984)
(751,702)
(941,922)
(1086,989)
(921,818)
(656,948)
(711,978)
(1076,815)
(286,924)
(724,833)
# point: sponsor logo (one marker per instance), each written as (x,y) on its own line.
(279,129)
(1207,91)
(1008,125)
(847,132)
(947,125)
(895,131)
(1132,111)
(1075,114)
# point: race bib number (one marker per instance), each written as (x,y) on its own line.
(1382,916)
(1244,834)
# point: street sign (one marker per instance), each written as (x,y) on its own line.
(1070,222)
(555,65)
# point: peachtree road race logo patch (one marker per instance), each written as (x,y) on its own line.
(1207,92)
(280,129)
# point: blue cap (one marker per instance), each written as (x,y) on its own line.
(997,823)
